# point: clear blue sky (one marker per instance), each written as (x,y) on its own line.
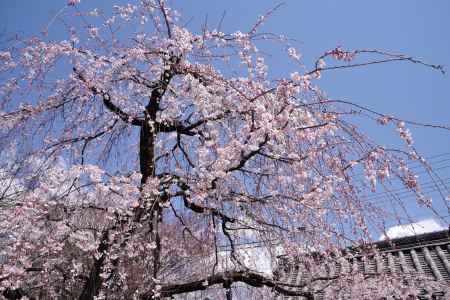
(413,27)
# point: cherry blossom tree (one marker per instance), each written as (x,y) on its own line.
(134,149)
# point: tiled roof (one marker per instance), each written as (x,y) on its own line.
(426,255)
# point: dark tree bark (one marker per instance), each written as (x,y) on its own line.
(94,282)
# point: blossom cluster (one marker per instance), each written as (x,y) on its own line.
(138,157)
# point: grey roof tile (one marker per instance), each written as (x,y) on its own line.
(426,254)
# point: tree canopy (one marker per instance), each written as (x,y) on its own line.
(134,150)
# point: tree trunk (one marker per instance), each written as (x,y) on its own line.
(94,282)
(228,291)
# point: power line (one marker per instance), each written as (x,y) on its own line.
(426,171)
(401,191)
(428,161)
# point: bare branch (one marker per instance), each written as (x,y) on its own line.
(251,278)
(163,10)
(108,102)
(391,58)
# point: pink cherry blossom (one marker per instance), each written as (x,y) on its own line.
(142,162)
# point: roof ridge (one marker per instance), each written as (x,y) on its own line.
(419,240)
